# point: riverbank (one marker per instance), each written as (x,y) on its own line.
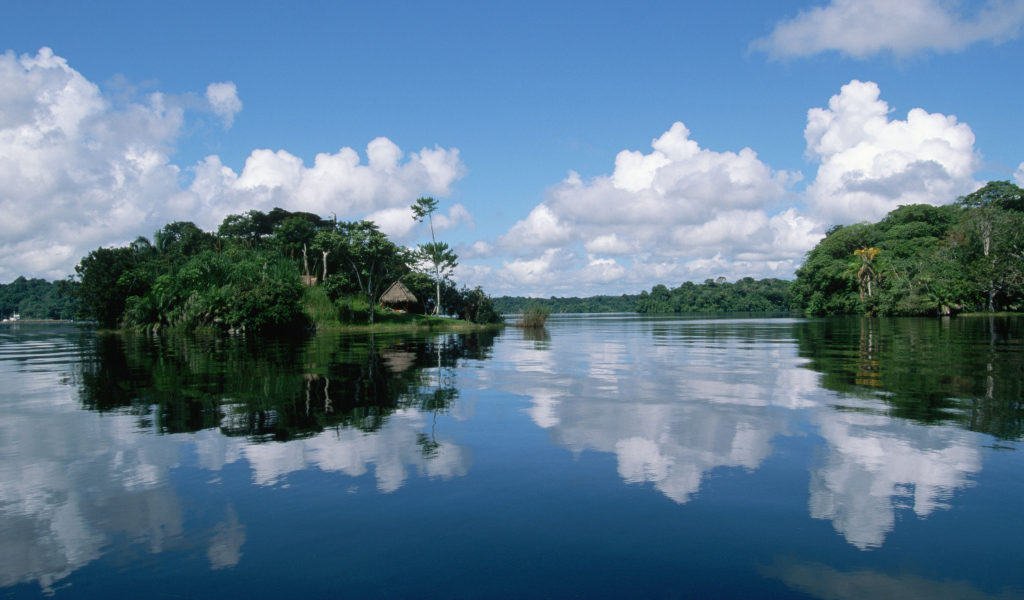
(407,322)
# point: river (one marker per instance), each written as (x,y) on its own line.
(604,456)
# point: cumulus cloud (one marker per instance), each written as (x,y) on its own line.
(224,102)
(1018,175)
(78,171)
(870,164)
(682,212)
(863,28)
(337,183)
(636,224)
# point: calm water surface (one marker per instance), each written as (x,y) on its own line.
(605,456)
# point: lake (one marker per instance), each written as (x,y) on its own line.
(605,456)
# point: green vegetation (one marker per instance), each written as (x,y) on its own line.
(36,299)
(718,296)
(922,260)
(533,316)
(435,256)
(260,272)
(509,305)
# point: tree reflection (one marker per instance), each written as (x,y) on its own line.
(959,371)
(275,390)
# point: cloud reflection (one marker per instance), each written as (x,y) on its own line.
(687,399)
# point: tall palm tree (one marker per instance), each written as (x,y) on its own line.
(866,273)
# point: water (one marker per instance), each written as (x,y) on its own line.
(605,456)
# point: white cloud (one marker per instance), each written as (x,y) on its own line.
(78,172)
(609,244)
(457,215)
(678,201)
(223,100)
(336,183)
(870,165)
(541,228)
(682,212)
(478,249)
(1018,175)
(863,28)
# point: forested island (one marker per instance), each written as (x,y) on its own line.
(272,271)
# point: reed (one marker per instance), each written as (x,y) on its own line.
(533,316)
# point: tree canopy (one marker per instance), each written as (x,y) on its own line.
(922,259)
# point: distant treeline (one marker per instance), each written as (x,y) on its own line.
(718,295)
(36,299)
(593,304)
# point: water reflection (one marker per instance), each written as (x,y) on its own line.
(72,483)
(76,485)
(899,405)
(822,581)
(181,439)
(672,410)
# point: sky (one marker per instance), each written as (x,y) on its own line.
(576,148)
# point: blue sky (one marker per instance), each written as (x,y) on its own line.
(508,99)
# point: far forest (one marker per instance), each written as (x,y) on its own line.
(919,260)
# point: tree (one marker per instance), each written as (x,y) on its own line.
(106,278)
(439,256)
(993,214)
(866,273)
(442,260)
(374,261)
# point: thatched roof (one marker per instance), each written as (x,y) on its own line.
(397,294)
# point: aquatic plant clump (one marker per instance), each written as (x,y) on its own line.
(533,317)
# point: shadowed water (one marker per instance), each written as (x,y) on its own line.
(602,456)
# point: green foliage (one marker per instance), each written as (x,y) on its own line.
(319,308)
(476,306)
(929,260)
(247,277)
(242,289)
(508,305)
(533,316)
(36,299)
(717,296)
(107,277)
(372,260)
(436,256)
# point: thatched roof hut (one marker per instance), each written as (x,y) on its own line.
(398,295)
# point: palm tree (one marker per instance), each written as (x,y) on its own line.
(866,273)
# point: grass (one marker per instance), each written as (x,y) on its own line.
(353,313)
(991,314)
(533,317)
